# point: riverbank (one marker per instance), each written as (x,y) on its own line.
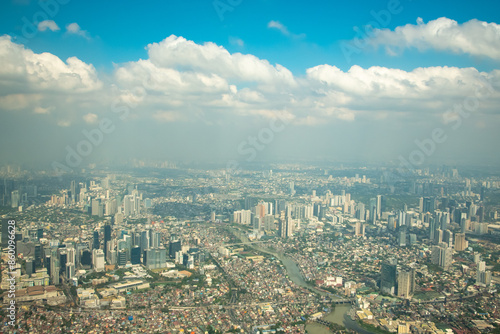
(340,315)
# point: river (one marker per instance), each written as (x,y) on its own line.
(339,315)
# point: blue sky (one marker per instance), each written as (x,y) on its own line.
(120,31)
(215,73)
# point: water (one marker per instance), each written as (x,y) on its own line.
(337,317)
(339,314)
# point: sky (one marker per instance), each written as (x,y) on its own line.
(410,82)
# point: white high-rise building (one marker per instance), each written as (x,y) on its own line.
(442,255)
(243,217)
(98,260)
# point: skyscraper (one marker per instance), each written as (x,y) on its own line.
(107,237)
(135,255)
(173,248)
(98,260)
(406,283)
(15,198)
(285,229)
(379,206)
(442,255)
(460,243)
(402,238)
(96,244)
(155,258)
(388,277)
(122,257)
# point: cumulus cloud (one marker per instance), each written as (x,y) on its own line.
(74,28)
(178,53)
(205,78)
(474,37)
(48,24)
(182,81)
(380,82)
(28,71)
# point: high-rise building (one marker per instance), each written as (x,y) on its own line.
(86,258)
(98,260)
(268,222)
(380,201)
(483,277)
(285,228)
(122,257)
(460,243)
(70,270)
(39,233)
(438,236)
(360,211)
(448,238)
(173,248)
(243,217)
(135,255)
(63,259)
(155,258)
(413,239)
(38,256)
(96,207)
(96,244)
(442,255)
(406,283)
(391,222)
(388,277)
(432,228)
(402,238)
(359,229)
(54,268)
(107,237)
(156,240)
(30,267)
(15,199)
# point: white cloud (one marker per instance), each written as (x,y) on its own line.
(278,25)
(28,71)
(474,37)
(41,110)
(90,118)
(48,24)
(74,28)
(381,82)
(178,53)
(283,29)
(185,81)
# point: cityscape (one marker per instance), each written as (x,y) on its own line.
(290,249)
(254,167)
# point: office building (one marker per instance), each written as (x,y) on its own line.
(460,243)
(442,256)
(98,260)
(135,255)
(388,277)
(406,283)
